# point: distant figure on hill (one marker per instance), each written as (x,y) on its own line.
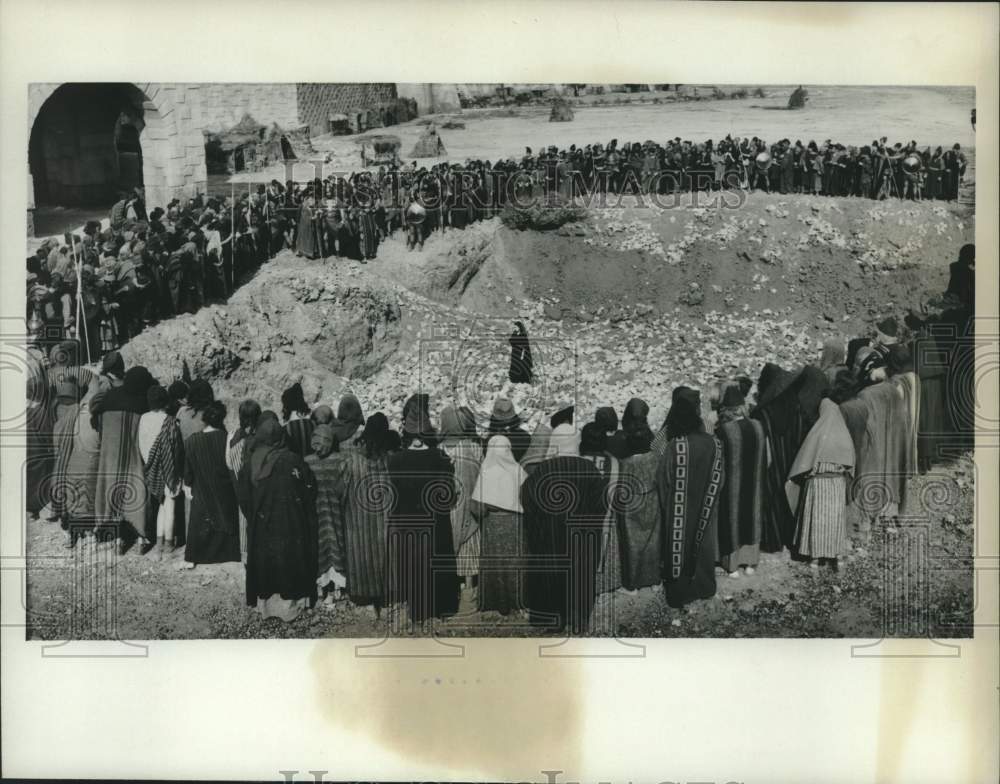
(520,355)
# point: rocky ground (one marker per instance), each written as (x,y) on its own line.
(629,302)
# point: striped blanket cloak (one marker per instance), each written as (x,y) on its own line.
(121,476)
(690,480)
(741,504)
(360,501)
(329,524)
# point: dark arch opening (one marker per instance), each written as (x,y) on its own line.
(84,148)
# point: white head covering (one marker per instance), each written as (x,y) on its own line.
(500,477)
(564,441)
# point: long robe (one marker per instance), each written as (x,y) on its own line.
(331,556)
(564,501)
(281,535)
(500,581)
(466,456)
(689,483)
(741,505)
(309,235)
(62,443)
(121,476)
(39,456)
(609,569)
(880,476)
(421,552)
(213,529)
(362,497)
(935,425)
(164,469)
(785,424)
(639,521)
(855,413)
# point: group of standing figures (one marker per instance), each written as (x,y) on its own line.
(318,503)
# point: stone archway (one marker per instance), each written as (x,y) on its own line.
(80,146)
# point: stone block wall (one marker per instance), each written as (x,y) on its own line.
(317,101)
(224,104)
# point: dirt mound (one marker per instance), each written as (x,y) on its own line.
(812,258)
(313,322)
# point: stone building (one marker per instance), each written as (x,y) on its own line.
(90,141)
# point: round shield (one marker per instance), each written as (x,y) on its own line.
(911,163)
(763,160)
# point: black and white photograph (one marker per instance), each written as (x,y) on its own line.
(627,360)
(539,391)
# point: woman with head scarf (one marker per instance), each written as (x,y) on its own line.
(817,487)
(249,418)
(121,486)
(422,553)
(296,416)
(276,493)
(638,502)
(496,508)
(324,467)
(348,425)
(213,534)
(360,503)
(741,504)
(163,454)
(564,503)
(460,442)
(689,482)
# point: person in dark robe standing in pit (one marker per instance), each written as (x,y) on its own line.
(741,505)
(521,363)
(276,491)
(689,482)
(213,534)
(564,501)
(421,551)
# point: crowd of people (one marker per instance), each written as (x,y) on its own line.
(321,503)
(106,284)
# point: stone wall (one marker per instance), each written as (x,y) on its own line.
(224,104)
(431,97)
(316,102)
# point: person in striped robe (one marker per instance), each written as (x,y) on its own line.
(741,504)
(348,425)
(690,480)
(361,497)
(638,502)
(817,487)
(330,528)
(298,424)
(461,443)
(121,475)
(162,452)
